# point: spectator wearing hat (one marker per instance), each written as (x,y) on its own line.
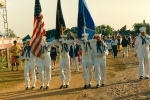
(64,47)
(86,60)
(141,49)
(15,50)
(29,65)
(44,63)
(99,52)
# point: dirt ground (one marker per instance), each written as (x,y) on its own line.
(125,85)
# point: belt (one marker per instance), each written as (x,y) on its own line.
(63,55)
(43,57)
(99,56)
(27,59)
(85,53)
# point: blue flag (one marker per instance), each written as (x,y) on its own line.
(85,20)
(60,22)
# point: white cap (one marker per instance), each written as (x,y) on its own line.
(63,35)
(85,35)
(142,29)
(98,35)
(27,40)
(43,37)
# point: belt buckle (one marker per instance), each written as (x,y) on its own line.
(63,55)
(27,59)
(85,53)
(43,57)
(99,56)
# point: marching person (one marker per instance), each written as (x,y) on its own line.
(86,60)
(125,45)
(141,49)
(15,50)
(74,56)
(29,65)
(64,46)
(44,63)
(114,43)
(99,51)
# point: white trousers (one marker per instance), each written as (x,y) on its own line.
(87,71)
(65,63)
(44,66)
(100,69)
(125,51)
(144,64)
(29,65)
(75,63)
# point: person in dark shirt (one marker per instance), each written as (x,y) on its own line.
(74,56)
(53,56)
(125,44)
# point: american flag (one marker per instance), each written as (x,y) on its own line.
(38,30)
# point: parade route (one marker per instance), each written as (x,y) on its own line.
(121,84)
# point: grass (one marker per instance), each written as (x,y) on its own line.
(10,79)
(114,66)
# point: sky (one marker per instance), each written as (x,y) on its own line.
(115,13)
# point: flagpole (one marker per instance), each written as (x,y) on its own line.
(84,28)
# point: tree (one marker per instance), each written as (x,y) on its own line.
(136,27)
(123,29)
(105,30)
(10,33)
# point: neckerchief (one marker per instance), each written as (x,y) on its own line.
(27,49)
(65,46)
(99,44)
(143,40)
(86,44)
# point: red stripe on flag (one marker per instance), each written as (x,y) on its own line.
(38,32)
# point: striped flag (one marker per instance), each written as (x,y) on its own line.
(38,30)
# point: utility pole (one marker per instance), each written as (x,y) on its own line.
(144,22)
(4,15)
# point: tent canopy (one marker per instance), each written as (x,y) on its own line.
(26,37)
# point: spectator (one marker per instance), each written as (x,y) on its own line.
(53,56)
(125,44)
(15,50)
(74,56)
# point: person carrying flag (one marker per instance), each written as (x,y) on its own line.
(86,60)
(64,47)
(29,65)
(99,52)
(44,63)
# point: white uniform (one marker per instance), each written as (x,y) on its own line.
(29,65)
(86,60)
(142,50)
(99,53)
(64,47)
(45,64)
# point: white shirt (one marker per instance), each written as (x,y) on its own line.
(114,42)
(139,48)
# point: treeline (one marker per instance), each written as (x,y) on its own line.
(106,30)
